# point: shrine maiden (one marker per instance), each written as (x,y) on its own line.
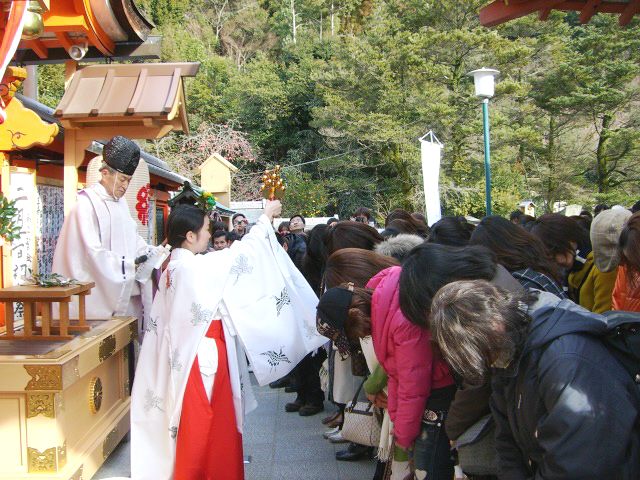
(192,388)
(99,242)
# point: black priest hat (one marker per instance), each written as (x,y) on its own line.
(121,154)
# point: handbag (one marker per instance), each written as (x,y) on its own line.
(361,424)
(477,448)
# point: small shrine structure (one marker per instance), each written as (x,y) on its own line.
(65,384)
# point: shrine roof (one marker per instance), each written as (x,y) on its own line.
(156,165)
(144,95)
(501,11)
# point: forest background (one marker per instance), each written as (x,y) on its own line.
(339,92)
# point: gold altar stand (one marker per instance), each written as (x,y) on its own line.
(64,405)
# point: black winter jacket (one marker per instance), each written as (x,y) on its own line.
(297,247)
(566,409)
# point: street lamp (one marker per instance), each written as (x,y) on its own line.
(484,82)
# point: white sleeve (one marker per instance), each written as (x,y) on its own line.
(80,250)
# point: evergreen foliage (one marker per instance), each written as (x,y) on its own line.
(339,91)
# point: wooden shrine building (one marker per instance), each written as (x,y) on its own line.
(65,385)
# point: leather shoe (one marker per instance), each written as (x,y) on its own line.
(310,409)
(354,452)
(294,406)
(336,422)
(282,382)
(331,417)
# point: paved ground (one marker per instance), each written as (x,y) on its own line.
(281,445)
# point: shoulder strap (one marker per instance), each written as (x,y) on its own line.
(584,279)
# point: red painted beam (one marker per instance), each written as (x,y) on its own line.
(632,9)
(605,7)
(500,12)
(544,14)
(589,10)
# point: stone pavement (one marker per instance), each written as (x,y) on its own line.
(282,446)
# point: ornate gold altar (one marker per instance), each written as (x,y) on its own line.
(64,406)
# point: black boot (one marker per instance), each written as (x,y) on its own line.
(354,452)
(292,388)
(294,406)
(281,383)
(309,409)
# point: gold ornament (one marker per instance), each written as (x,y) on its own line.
(50,461)
(44,377)
(41,462)
(41,404)
(110,442)
(106,348)
(95,395)
(272,187)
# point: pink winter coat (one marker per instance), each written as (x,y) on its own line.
(407,355)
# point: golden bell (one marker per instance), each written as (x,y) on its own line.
(33,23)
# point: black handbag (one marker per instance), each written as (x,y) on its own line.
(476,447)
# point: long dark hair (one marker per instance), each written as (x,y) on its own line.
(358,322)
(312,265)
(557,232)
(182,220)
(351,235)
(454,231)
(513,246)
(420,226)
(430,266)
(355,265)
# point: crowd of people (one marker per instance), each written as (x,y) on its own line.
(507,349)
(481,346)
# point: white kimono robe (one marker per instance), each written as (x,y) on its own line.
(268,310)
(99,243)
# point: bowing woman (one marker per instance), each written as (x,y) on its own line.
(192,387)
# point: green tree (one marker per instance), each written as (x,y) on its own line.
(597,84)
(305,195)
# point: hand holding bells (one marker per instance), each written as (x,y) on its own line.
(273,186)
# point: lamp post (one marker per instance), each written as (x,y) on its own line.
(484,82)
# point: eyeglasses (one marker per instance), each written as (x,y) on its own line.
(240,222)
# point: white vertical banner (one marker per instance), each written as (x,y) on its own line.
(430,154)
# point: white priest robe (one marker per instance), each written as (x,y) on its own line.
(99,243)
(268,311)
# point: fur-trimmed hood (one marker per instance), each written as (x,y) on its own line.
(399,246)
